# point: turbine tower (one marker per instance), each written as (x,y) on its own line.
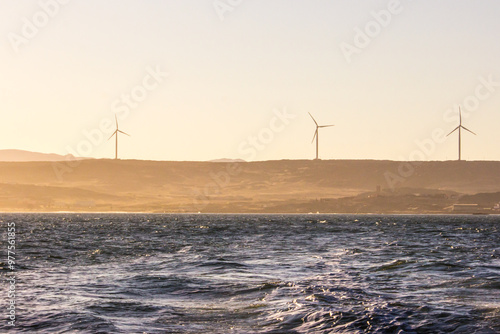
(316,134)
(459,128)
(116,137)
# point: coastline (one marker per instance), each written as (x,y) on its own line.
(284,186)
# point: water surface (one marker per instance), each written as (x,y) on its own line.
(135,273)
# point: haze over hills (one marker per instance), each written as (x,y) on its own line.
(21,155)
(342,186)
(12,155)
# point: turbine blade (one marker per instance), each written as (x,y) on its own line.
(116,120)
(313,119)
(112,135)
(460,114)
(325,126)
(463,127)
(458,127)
(123,132)
(315,134)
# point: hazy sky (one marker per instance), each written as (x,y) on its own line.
(386,73)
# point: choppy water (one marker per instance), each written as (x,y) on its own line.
(112,273)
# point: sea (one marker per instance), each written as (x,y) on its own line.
(211,273)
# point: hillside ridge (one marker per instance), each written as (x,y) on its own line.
(261,186)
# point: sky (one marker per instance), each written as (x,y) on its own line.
(210,79)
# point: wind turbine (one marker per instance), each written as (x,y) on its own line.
(116,137)
(459,128)
(316,134)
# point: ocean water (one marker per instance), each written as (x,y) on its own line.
(140,273)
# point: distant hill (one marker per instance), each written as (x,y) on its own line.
(227,160)
(20,155)
(301,186)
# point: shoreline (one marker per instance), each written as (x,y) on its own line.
(281,186)
(242,214)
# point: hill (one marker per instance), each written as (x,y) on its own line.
(20,155)
(268,186)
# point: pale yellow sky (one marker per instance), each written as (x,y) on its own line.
(200,80)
